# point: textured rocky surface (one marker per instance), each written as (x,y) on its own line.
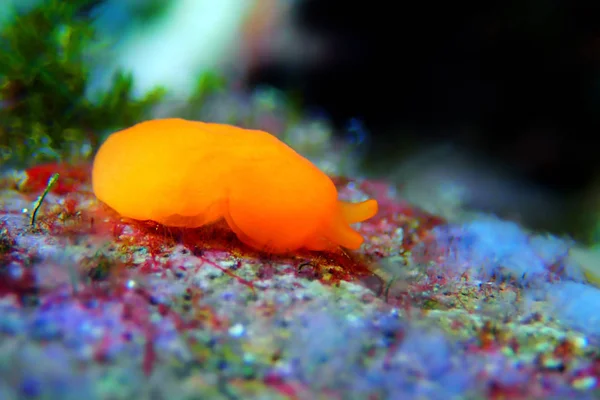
(93,306)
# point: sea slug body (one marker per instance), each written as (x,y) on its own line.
(188,173)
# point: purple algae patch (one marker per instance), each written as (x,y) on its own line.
(574,304)
(492,248)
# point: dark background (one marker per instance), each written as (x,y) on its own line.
(515,81)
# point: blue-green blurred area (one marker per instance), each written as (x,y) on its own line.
(162,42)
(113,16)
(10,6)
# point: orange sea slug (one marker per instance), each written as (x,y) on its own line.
(188,173)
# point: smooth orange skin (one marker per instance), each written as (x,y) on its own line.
(188,174)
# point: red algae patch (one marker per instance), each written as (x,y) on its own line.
(72,178)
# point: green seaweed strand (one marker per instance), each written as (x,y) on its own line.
(40,199)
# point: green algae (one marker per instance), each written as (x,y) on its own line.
(45,112)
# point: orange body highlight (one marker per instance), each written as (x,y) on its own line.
(189,173)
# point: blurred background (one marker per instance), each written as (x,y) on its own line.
(464,105)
